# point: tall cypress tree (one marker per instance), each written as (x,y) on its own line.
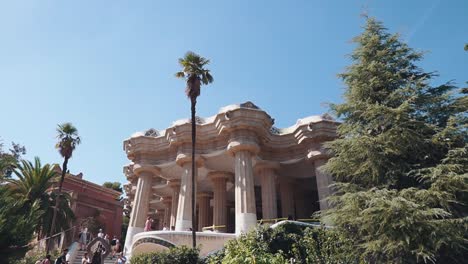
(397,188)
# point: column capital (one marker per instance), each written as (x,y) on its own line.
(139,169)
(204,194)
(313,155)
(174,183)
(243,144)
(213,175)
(183,158)
(166,200)
(266,165)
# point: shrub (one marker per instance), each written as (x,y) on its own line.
(175,255)
(287,243)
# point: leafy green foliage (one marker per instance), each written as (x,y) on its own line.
(9,159)
(32,185)
(116,186)
(176,255)
(33,256)
(284,244)
(195,73)
(68,139)
(18,221)
(401,182)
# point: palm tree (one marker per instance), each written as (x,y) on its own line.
(68,140)
(33,185)
(194,73)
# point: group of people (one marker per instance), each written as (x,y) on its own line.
(62,259)
(115,244)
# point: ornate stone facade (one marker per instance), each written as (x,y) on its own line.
(247,170)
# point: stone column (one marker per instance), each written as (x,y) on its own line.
(184,208)
(219,180)
(203,210)
(323,182)
(267,180)
(246,216)
(175,185)
(160,216)
(167,201)
(287,197)
(140,208)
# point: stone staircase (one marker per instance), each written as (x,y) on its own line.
(80,254)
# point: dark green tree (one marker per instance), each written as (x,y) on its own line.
(18,221)
(195,74)
(397,132)
(10,159)
(116,186)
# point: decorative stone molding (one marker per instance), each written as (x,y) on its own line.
(183,158)
(213,175)
(142,168)
(249,104)
(151,133)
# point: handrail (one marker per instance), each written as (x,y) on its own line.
(46,238)
(213,227)
(276,220)
(308,220)
(272,220)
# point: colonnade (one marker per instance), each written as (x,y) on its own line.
(177,207)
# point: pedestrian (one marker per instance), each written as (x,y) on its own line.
(100,234)
(148,223)
(85,259)
(46,260)
(113,244)
(98,255)
(62,259)
(83,238)
(107,239)
(121,259)
(164,227)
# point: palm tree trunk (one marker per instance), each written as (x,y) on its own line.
(57,202)
(194,127)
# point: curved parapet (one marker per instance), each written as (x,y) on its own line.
(155,241)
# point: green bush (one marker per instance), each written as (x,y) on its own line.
(33,256)
(176,255)
(287,243)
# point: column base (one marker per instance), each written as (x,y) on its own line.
(183,225)
(245,222)
(131,231)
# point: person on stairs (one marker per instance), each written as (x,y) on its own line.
(85,259)
(121,259)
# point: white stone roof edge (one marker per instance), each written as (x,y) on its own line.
(248,105)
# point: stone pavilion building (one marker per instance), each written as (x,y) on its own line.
(247,170)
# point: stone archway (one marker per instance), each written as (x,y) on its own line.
(150,244)
(91,247)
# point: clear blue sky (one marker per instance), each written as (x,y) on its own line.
(108,66)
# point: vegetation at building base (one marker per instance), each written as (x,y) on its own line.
(400,162)
(175,255)
(288,243)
